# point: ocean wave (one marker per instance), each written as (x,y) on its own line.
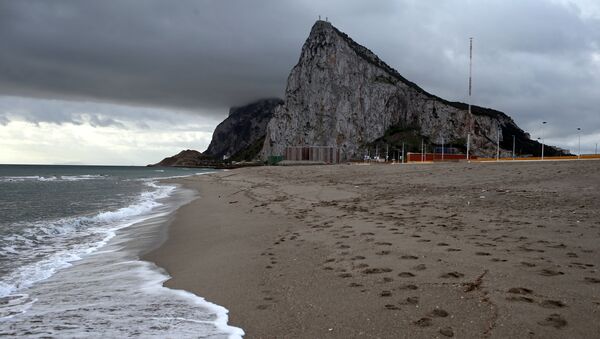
(44,247)
(51,178)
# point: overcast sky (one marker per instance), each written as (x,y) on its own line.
(130,82)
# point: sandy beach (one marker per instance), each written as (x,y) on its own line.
(459,250)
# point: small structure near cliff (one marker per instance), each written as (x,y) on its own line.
(317,154)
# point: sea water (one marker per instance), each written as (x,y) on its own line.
(71,238)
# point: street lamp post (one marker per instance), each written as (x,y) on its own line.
(542,138)
(403,161)
(470,117)
(579,140)
(513,153)
(442,148)
(498,146)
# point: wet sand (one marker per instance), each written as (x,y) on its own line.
(395,251)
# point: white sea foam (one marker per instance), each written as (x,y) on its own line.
(51,178)
(60,242)
(110,292)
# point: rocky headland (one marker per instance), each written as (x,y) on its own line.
(341,94)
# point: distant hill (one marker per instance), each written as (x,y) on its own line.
(186,158)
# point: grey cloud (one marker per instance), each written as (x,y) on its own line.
(96,120)
(533,59)
(96,114)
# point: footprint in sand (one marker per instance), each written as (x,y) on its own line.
(452,275)
(262,307)
(498,260)
(552,304)
(381,243)
(420,267)
(377,270)
(442,244)
(482,253)
(409,257)
(447,332)
(520,290)
(528,264)
(391,307)
(550,272)
(423,322)
(557,246)
(410,301)
(439,313)
(555,320)
(385,294)
(358,257)
(345,275)
(406,275)
(383,252)
(408,287)
(454,250)
(592,280)
(353,284)
(520,298)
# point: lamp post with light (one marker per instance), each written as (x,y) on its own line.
(542,138)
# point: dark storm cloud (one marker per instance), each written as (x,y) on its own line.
(195,54)
(536,60)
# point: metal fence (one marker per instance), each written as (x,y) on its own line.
(326,154)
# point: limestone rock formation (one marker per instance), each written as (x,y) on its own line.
(239,133)
(341,94)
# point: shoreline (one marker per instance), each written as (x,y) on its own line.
(361,251)
(113,291)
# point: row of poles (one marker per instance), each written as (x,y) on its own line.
(541,138)
(498,138)
(470,127)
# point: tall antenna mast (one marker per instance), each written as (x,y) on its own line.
(470,85)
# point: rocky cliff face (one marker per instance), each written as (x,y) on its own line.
(341,94)
(244,127)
